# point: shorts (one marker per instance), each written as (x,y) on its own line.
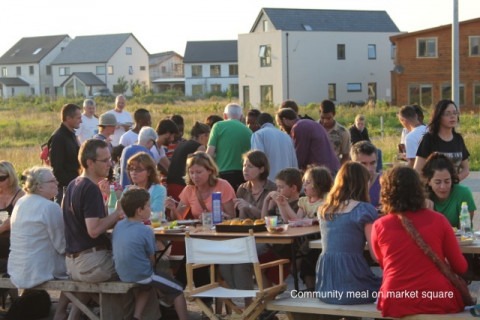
(92,267)
(165,284)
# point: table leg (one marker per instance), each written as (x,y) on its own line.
(294,266)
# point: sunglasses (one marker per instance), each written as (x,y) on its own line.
(3,178)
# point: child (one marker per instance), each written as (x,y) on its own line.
(133,253)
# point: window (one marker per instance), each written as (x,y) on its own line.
(266,96)
(47,91)
(130,70)
(246,96)
(233,88)
(217,88)
(427,48)
(372,52)
(341,52)
(4,72)
(31,70)
(307,27)
(354,87)
(110,69)
(143,68)
(265,25)
(233,69)
(420,94)
(197,70)
(197,90)
(476,94)
(393,51)
(32,91)
(19,71)
(37,51)
(372,91)
(332,91)
(447,93)
(100,70)
(64,71)
(265,55)
(128,51)
(48,70)
(215,70)
(474,46)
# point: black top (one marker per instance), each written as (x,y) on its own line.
(357,135)
(9,208)
(64,155)
(178,163)
(454,149)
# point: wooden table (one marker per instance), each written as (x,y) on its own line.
(289,237)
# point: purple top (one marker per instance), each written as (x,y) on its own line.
(313,146)
(374,192)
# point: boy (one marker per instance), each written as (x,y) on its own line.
(133,253)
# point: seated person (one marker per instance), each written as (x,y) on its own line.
(133,252)
(365,152)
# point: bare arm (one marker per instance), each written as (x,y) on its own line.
(419,164)
(286,211)
(211,151)
(229,209)
(98,226)
(464,170)
(178,211)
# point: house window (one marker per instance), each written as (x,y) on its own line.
(372,52)
(128,51)
(341,52)
(48,70)
(217,88)
(393,51)
(130,70)
(196,70)
(447,93)
(19,71)
(266,96)
(110,69)
(100,70)
(32,91)
(233,69)
(246,96)
(427,48)
(332,91)
(265,55)
(37,51)
(420,94)
(474,46)
(307,27)
(215,70)
(233,88)
(476,94)
(4,72)
(31,70)
(265,25)
(143,68)
(64,71)
(47,91)
(354,87)
(197,90)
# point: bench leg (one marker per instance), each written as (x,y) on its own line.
(80,305)
(120,306)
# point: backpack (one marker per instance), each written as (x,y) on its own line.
(31,305)
(45,152)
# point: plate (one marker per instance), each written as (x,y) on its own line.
(188,222)
(174,230)
(466,242)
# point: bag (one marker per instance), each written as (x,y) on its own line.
(31,305)
(45,152)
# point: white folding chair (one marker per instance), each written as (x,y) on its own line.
(202,252)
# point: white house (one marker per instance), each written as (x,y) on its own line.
(91,63)
(210,66)
(166,71)
(25,67)
(310,55)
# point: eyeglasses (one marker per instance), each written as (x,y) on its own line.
(104,160)
(450,113)
(137,170)
(3,178)
(50,181)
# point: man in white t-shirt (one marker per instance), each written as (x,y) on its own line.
(88,127)
(409,120)
(124,119)
(142,119)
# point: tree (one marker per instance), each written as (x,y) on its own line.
(121,87)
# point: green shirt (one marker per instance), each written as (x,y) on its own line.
(451,206)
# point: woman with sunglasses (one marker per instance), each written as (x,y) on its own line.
(442,138)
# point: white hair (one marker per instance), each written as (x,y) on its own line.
(233,111)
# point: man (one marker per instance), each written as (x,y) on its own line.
(142,119)
(365,152)
(409,120)
(252,119)
(124,119)
(64,148)
(89,124)
(166,130)
(276,144)
(106,127)
(228,141)
(293,105)
(338,134)
(310,140)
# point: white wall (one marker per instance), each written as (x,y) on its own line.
(225,80)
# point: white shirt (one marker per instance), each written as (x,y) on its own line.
(412,140)
(158,153)
(122,118)
(37,242)
(128,138)
(88,128)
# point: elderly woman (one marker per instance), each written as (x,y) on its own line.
(399,240)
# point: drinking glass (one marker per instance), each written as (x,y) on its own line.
(207,221)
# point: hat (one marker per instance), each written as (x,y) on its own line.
(107,119)
(146,134)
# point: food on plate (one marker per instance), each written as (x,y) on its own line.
(173,225)
(225,223)
(278,229)
(236,222)
(247,222)
(259,222)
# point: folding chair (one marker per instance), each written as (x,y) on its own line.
(202,252)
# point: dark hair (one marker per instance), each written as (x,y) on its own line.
(289,104)
(68,110)
(434,125)
(438,162)
(264,118)
(117,152)
(401,190)
(140,114)
(321,178)
(198,129)
(212,119)
(408,112)
(418,111)
(287,113)
(327,106)
(258,159)
(134,199)
(291,177)
(362,147)
(148,163)
(166,126)
(178,119)
(253,113)
(88,151)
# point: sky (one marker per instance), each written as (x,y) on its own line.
(168,25)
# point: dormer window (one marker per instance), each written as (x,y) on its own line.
(15,52)
(307,27)
(37,51)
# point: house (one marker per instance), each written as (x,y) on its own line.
(308,55)
(25,67)
(92,63)
(166,72)
(423,65)
(211,67)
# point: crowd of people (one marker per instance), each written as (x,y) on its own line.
(301,169)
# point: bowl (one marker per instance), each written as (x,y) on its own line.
(306,222)
(278,229)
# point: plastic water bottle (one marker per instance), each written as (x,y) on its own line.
(465,221)
(112,200)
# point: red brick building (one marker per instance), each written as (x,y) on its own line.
(423,61)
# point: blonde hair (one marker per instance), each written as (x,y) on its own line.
(205,160)
(359,117)
(6,168)
(33,178)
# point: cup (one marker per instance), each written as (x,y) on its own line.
(207,221)
(155,219)
(271,221)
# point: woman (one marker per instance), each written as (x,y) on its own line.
(252,193)
(345,224)
(441,137)
(444,191)
(176,172)
(406,268)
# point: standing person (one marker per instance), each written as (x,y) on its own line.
(212,119)
(406,268)
(63,145)
(409,120)
(88,127)
(228,140)
(276,144)
(442,137)
(405,131)
(124,119)
(142,119)
(166,130)
(338,135)
(252,119)
(365,153)
(310,139)
(346,221)
(358,130)
(106,127)
(178,119)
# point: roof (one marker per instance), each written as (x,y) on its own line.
(160,57)
(211,51)
(92,49)
(328,20)
(88,78)
(32,49)
(14,82)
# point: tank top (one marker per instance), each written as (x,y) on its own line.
(9,208)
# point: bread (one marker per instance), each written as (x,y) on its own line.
(247,222)
(236,222)
(259,222)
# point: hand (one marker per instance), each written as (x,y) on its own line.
(104,186)
(240,203)
(170,203)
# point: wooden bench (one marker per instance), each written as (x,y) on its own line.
(108,292)
(295,307)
